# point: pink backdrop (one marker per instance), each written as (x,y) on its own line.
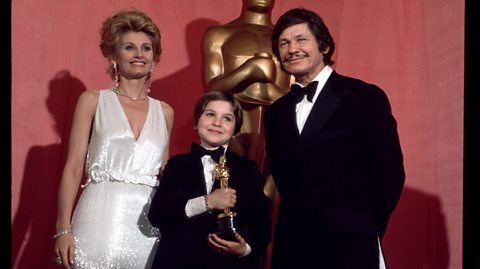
(413,49)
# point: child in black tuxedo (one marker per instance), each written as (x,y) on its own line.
(189,199)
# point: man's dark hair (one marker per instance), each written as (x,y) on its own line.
(315,25)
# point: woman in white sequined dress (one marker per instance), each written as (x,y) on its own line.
(121,135)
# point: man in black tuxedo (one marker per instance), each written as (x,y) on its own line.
(334,153)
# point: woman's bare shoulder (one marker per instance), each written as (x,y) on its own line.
(167,110)
(88,99)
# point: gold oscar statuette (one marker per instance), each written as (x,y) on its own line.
(227,222)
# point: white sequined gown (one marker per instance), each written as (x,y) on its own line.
(110,223)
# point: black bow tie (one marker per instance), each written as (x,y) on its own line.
(200,151)
(308,90)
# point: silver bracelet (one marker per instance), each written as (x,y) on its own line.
(66,231)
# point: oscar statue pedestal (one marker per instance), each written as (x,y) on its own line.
(227,225)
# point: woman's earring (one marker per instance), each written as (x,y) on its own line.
(116,80)
(148,83)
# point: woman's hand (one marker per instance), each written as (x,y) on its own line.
(64,248)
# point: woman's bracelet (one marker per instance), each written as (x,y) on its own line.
(64,232)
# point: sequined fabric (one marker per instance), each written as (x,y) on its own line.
(110,222)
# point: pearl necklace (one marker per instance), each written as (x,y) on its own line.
(129,97)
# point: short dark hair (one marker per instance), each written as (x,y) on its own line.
(219,96)
(315,24)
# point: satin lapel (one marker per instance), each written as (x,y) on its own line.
(327,102)
(290,116)
(197,174)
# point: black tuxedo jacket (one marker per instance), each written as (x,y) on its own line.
(339,181)
(183,242)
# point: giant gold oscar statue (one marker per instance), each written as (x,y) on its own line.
(237,57)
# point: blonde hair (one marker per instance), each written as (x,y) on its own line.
(115,26)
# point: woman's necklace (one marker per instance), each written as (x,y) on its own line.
(129,97)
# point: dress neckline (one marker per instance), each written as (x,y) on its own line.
(125,118)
